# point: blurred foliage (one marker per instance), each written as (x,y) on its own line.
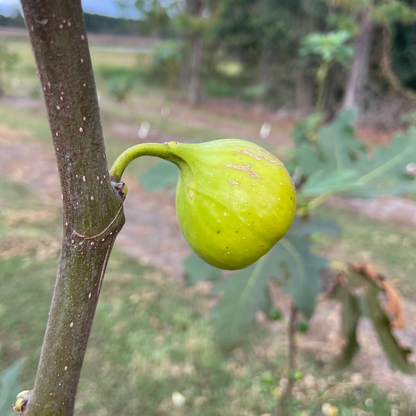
(329,46)
(307,130)
(8,61)
(166,63)
(120,82)
(9,386)
(338,163)
(394,12)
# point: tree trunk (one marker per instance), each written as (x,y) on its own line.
(304,94)
(194,95)
(92,210)
(264,71)
(358,73)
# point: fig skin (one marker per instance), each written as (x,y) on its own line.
(234,200)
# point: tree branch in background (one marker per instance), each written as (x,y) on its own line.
(358,72)
(92,211)
(388,70)
(287,392)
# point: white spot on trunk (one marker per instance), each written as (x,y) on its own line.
(66,368)
(71,324)
(83,178)
(92,198)
(58,108)
(82,37)
(81,129)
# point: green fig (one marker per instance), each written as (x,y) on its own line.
(302,326)
(274,314)
(296,375)
(234,200)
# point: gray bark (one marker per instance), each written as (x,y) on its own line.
(92,211)
(358,72)
(194,95)
(304,94)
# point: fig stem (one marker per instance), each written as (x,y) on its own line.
(162,150)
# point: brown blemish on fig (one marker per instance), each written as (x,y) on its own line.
(245,169)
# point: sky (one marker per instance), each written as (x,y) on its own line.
(104,7)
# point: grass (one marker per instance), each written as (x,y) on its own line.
(151,336)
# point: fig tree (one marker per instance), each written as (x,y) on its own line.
(234,199)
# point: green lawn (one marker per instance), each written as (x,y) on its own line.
(152,336)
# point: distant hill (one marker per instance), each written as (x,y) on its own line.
(95,23)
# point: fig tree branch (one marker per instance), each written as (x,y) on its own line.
(92,210)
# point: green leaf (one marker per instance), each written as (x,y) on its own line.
(394,12)
(244,293)
(384,173)
(160,176)
(308,158)
(351,314)
(396,354)
(334,150)
(339,181)
(10,386)
(291,262)
(337,142)
(297,269)
(337,164)
(197,270)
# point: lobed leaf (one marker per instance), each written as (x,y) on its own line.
(10,386)
(160,176)
(291,262)
(197,270)
(338,164)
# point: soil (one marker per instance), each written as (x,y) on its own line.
(153,236)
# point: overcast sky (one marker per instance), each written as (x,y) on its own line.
(105,7)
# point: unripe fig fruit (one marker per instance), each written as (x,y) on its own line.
(274,314)
(234,201)
(303,326)
(296,375)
